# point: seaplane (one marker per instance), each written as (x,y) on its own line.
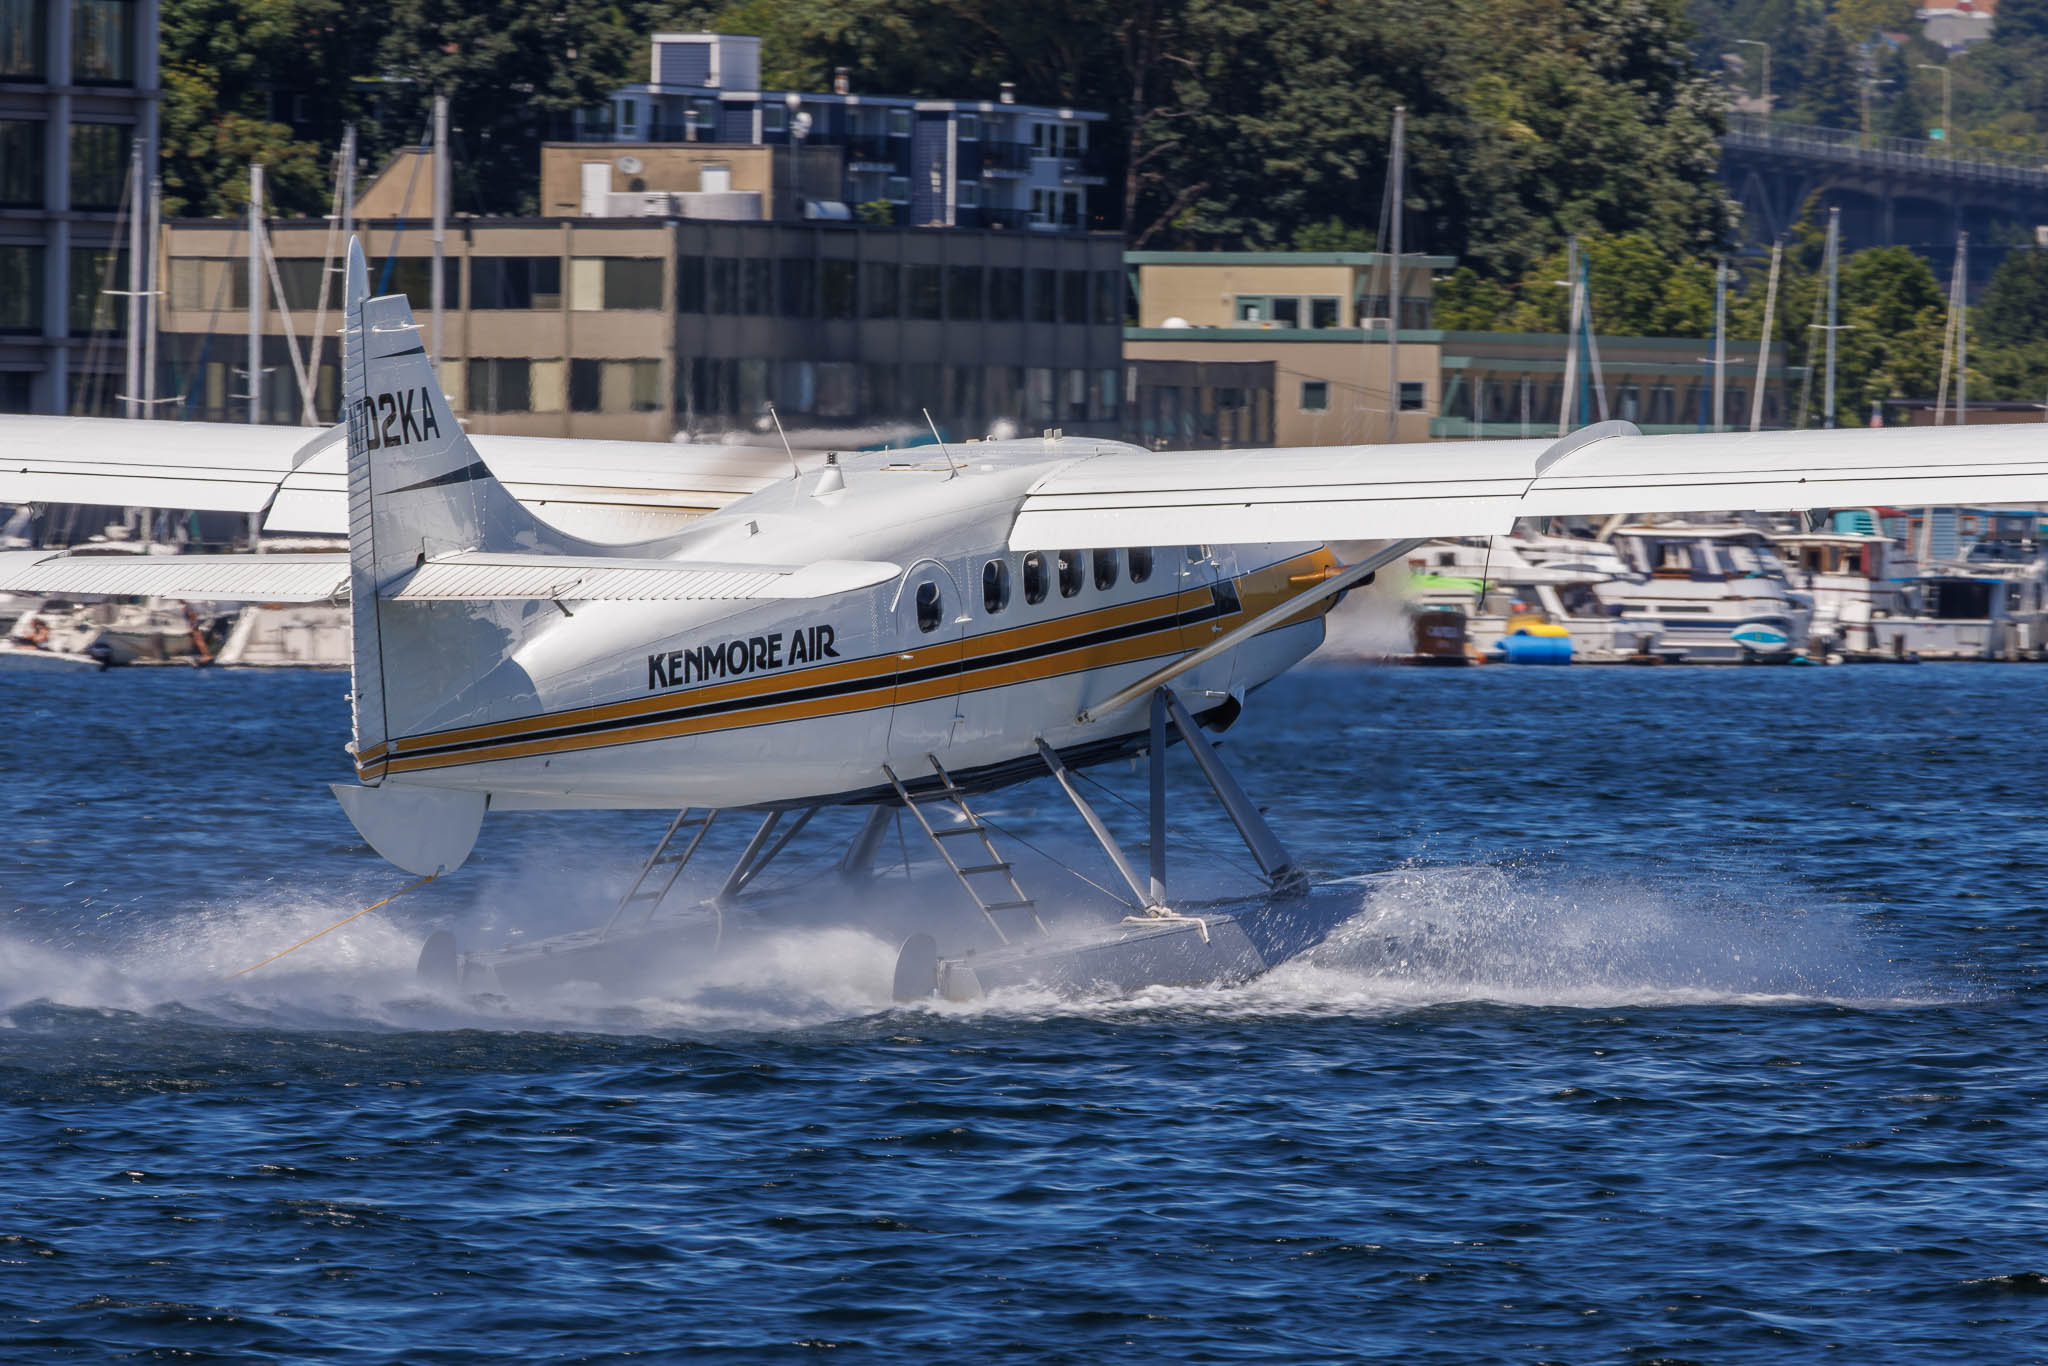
(891,635)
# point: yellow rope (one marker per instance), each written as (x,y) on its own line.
(332,928)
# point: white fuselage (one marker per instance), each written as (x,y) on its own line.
(970,655)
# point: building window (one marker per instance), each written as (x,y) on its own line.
(1076,409)
(99,164)
(774,116)
(631,283)
(1412,397)
(840,289)
(15,390)
(797,283)
(1034,578)
(689,284)
(757,287)
(22,39)
(1109,289)
(499,386)
(899,189)
(1322,313)
(21,160)
(723,294)
(1251,308)
(1315,396)
(103,42)
(879,283)
(21,288)
(412,276)
(1005,294)
(923,298)
(969,127)
(629,115)
(1107,392)
(995,586)
(1072,573)
(1287,313)
(586,386)
(899,123)
(963,293)
(970,194)
(1073,296)
(517,282)
(95,273)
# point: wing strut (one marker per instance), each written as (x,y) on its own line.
(1265,621)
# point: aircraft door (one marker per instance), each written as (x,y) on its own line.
(1209,606)
(930,621)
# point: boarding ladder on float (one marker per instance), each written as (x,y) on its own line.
(988,877)
(658,876)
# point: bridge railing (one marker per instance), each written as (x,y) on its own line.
(1913,156)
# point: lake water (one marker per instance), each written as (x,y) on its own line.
(1704,1022)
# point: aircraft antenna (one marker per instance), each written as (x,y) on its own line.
(942,443)
(795,472)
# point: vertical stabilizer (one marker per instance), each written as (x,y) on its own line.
(416,489)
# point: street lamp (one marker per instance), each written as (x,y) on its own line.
(799,125)
(1948,132)
(1758,42)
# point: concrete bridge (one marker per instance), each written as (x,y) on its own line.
(1891,191)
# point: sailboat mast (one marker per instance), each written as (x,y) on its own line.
(1395,169)
(1834,278)
(1720,343)
(440,215)
(149,297)
(1763,350)
(1962,307)
(1571,338)
(132,394)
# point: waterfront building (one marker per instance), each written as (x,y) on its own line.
(1322,321)
(78,86)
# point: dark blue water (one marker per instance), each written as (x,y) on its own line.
(1705,1023)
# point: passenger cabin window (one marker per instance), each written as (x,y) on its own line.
(1071,573)
(927,607)
(1141,564)
(1197,553)
(1105,570)
(1034,578)
(995,585)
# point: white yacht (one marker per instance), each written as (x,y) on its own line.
(1528,582)
(1716,591)
(1872,602)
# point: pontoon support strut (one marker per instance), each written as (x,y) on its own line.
(1279,866)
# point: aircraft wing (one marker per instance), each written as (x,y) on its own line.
(1325,493)
(470,576)
(600,490)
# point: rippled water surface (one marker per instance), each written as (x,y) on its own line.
(1704,1021)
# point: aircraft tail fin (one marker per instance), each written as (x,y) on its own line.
(416,489)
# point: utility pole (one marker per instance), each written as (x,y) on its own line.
(440,216)
(1395,191)
(255,292)
(133,374)
(1948,132)
(1720,343)
(1758,42)
(1763,350)
(1834,275)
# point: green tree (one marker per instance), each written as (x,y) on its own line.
(513,72)
(2009,329)
(1828,89)
(2021,21)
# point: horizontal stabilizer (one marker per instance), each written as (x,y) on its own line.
(196,578)
(482,575)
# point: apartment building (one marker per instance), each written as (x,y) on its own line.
(78,87)
(989,163)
